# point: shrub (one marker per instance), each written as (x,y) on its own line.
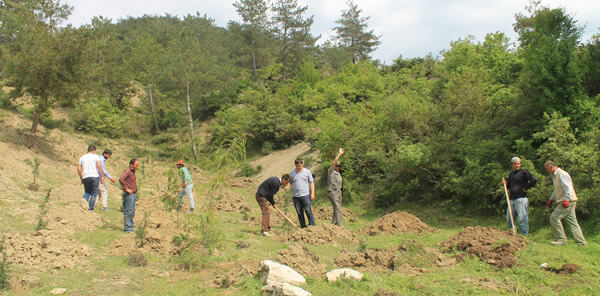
(99,116)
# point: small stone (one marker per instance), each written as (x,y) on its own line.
(58,291)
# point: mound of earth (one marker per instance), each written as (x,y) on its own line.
(396,223)
(231,202)
(302,260)
(44,250)
(370,260)
(326,213)
(495,247)
(235,271)
(326,234)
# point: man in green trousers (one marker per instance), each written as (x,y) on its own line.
(566,199)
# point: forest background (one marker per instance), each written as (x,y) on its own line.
(429,130)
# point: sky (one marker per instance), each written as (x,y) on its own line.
(407,28)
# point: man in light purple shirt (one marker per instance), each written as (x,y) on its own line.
(102,188)
(303,191)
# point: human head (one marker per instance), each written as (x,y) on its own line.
(550,167)
(134,164)
(180,163)
(299,164)
(337,166)
(91,148)
(515,162)
(285,179)
(107,153)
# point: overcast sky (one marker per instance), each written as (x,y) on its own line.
(408,28)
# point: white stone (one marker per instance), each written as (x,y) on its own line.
(284,289)
(348,273)
(58,291)
(273,272)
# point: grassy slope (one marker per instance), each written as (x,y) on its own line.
(104,274)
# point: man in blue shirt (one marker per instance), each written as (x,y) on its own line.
(304,192)
(102,188)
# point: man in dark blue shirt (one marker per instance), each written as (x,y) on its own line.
(264,196)
(519,181)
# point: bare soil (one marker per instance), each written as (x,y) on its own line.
(302,260)
(370,260)
(326,234)
(396,223)
(495,247)
(326,213)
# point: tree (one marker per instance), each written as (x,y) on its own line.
(353,35)
(292,30)
(41,59)
(145,58)
(551,75)
(254,16)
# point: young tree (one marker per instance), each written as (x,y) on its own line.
(291,29)
(254,16)
(41,59)
(146,54)
(353,35)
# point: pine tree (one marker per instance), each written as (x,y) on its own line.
(353,35)
(254,16)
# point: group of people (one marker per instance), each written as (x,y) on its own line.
(303,184)
(564,196)
(93,175)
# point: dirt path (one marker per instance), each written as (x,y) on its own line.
(281,162)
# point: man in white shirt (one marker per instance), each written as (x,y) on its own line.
(90,175)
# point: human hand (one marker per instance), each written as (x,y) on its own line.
(504,181)
(112,179)
(129,191)
(312,196)
(565,203)
(549,203)
(341,151)
(183,185)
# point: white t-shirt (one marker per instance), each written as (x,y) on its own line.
(88,165)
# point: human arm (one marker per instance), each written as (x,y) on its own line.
(567,185)
(80,172)
(123,181)
(337,158)
(98,165)
(532,180)
(105,172)
(312,191)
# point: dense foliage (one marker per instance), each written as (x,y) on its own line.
(437,130)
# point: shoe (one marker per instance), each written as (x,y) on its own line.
(266,234)
(558,243)
(106,209)
(191,211)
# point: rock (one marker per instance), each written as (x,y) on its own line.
(348,273)
(58,291)
(284,289)
(273,272)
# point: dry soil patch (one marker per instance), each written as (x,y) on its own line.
(396,223)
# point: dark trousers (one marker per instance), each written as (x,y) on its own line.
(302,205)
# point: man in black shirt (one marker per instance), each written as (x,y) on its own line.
(265,194)
(519,181)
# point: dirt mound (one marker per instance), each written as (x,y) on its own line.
(326,234)
(302,260)
(231,202)
(567,268)
(235,271)
(495,247)
(45,250)
(395,223)
(370,260)
(325,213)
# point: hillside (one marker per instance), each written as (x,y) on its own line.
(400,254)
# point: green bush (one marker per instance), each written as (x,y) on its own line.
(99,116)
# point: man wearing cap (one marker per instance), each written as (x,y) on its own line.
(186,184)
(334,188)
(566,199)
(519,181)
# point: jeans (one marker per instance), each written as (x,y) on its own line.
(187,190)
(90,187)
(302,204)
(519,210)
(128,211)
(567,215)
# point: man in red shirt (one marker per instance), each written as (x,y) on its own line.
(129,185)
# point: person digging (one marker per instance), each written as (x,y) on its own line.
(264,196)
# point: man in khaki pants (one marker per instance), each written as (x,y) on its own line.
(566,199)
